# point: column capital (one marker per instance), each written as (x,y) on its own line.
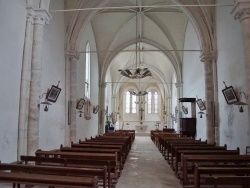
(178,85)
(241,9)
(102,84)
(41,16)
(30,14)
(207,57)
(72,55)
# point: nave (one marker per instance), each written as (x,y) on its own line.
(146,168)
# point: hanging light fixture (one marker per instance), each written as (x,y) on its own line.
(137,72)
(140,93)
(200,113)
(45,103)
(241,103)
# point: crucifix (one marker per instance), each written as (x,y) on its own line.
(141,111)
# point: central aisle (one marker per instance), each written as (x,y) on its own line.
(145,167)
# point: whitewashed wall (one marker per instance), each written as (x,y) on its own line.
(12,31)
(234,130)
(52,123)
(86,128)
(194,78)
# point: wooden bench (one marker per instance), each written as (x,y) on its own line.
(96,150)
(202,152)
(79,155)
(126,148)
(206,174)
(48,180)
(188,160)
(176,155)
(112,168)
(167,144)
(170,146)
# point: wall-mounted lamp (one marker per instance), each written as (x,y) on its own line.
(241,103)
(80,113)
(200,113)
(45,103)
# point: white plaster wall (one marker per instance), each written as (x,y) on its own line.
(234,130)
(194,78)
(52,123)
(12,32)
(87,128)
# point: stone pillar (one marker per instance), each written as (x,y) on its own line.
(41,17)
(179,87)
(25,86)
(72,58)
(101,124)
(208,59)
(242,12)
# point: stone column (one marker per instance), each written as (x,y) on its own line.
(70,129)
(179,87)
(208,59)
(101,124)
(242,12)
(25,86)
(41,17)
(72,57)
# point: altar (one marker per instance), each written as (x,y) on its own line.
(141,128)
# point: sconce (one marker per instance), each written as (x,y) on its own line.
(80,113)
(200,113)
(45,103)
(241,103)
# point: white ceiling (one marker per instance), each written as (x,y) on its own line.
(160,34)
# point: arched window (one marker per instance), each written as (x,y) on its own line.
(153,102)
(130,106)
(87,71)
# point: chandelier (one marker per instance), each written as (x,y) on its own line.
(137,72)
(140,93)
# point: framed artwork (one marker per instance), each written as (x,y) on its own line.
(230,95)
(80,104)
(53,93)
(96,109)
(184,109)
(201,104)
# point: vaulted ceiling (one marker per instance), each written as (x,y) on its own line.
(158,31)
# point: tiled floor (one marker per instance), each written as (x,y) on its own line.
(146,168)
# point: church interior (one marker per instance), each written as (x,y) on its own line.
(144,70)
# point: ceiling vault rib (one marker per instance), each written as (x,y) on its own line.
(129,7)
(144,50)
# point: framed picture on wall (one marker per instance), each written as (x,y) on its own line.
(230,95)
(53,93)
(80,104)
(200,104)
(184,109)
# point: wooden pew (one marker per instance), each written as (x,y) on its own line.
(187,160)
(96,150)
(126,148)
(79,155)
(112,167)
(207,175)
(50,176)
(125,140)
(167,144)
(91,145)
(208,152)
(174,146)
(104,145)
